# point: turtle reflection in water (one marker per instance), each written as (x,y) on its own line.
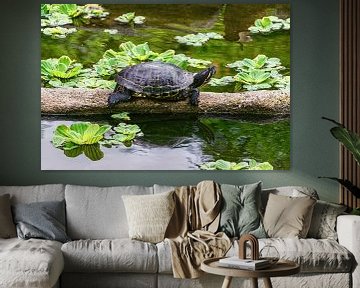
(158,80)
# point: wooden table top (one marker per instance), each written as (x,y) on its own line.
(281,268)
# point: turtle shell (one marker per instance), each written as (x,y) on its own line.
(155,78)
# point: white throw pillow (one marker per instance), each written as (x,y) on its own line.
(149,215)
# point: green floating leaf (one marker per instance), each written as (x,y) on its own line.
(129,18)
(226,80)
(259,62)
(58,32)
(111,31)
(197,39)
(247,164)
(61,68)
(93,152)
(82,133)
(130,54)
(121,116)
(269,24)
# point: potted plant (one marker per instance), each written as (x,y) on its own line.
(351,141)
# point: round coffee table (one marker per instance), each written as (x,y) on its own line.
(281,268)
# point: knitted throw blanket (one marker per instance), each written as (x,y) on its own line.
(191,232)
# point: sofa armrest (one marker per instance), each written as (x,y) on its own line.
(348,230)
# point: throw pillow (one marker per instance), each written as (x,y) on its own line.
(323,222)
(287,217)
(240,213)
(7,227)
(149,215)
(43,220)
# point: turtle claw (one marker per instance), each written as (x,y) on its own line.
(117,97)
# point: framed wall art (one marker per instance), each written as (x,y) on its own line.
(165,87)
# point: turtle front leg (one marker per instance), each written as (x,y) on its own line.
(194,97)
(118,96)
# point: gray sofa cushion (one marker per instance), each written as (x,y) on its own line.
(30,263)
(117,255)
(7,226)
(43,220)
(35,193)
(98,213)
(313,255)
(292,191)
(240,212)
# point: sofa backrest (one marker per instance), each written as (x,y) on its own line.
(98,212)
(35,193)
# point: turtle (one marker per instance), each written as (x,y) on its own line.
(158,80)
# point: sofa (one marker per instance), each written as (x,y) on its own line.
(100,253)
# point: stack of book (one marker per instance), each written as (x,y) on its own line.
(248,264)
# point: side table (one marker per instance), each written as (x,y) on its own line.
(281,268)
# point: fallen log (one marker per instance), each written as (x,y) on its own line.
(79,101)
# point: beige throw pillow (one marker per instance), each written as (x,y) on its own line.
(288,217)
(7,226)
(149,215)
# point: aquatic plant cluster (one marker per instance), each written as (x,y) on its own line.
(251,74)
(86,138)
(80,135)
(269,24)
(256,74)
(65,72)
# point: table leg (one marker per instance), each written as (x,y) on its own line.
(267,283)
(227,282)
(254,282)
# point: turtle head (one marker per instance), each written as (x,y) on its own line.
(203,76)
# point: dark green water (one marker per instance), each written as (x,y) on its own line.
(178,142)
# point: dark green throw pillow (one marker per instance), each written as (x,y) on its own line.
(43,220)
(240,213)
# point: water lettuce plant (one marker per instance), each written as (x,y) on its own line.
(259,62)
(131,54)
(92,151)
(258,73)
(111,31)
(77,134)
(59,68)
(269,24)
(82,82)
(246,164)
(58,32)
(62,14)
(124,133)
(197,39)
(130,18)
(121,116)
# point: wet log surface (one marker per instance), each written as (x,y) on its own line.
(79,101)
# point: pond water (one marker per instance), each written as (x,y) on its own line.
(177,142)
(174,142)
